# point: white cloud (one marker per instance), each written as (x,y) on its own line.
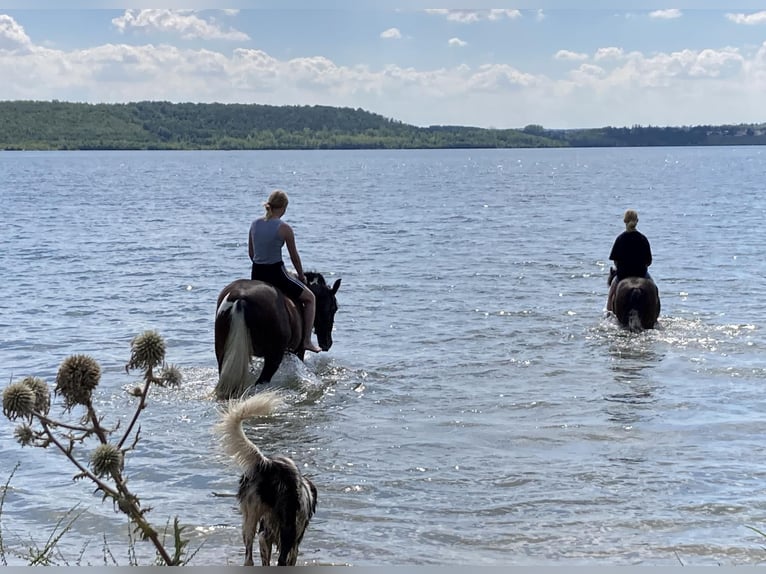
(568,55)
(751,19)
(676,70)
(501,77)
(610,53)
(12,35)
(457,42)
(587,74)
(391,34)
(183,22)
(669,14)
(471,16)
(498,14)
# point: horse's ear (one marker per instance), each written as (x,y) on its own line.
(335,287)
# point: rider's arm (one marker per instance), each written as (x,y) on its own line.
(648,254)
(287,234)
(250,246)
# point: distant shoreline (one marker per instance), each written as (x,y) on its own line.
(146,126)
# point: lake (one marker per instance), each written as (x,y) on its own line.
(477,406)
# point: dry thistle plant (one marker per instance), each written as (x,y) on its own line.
(29,401)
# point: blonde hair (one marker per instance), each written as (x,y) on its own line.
(630,219)
(277,200)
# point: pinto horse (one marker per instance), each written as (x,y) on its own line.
(254,318)
(637,303)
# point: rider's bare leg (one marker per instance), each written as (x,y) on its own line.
(309,310)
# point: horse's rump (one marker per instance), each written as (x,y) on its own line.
(637,303)
(252,319)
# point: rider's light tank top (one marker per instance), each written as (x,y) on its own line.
(267,244)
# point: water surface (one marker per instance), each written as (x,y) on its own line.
(476,407)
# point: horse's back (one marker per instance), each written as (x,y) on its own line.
(247,289)
(636,283)
(270,316)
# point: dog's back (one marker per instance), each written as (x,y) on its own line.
(275,499)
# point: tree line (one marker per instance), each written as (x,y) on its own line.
(55,125)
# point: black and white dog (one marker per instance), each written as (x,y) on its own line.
(276,501)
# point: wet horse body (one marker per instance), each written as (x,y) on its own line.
(254,318)
(637,303)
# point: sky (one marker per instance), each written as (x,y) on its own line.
(552,63)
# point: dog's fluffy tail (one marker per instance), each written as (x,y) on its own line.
(235,442)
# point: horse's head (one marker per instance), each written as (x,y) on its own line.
(326,306)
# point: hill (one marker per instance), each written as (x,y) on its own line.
(163,125)
(36,125)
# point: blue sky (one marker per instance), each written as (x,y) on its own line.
(558,64)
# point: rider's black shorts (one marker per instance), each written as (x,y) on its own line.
(276,274)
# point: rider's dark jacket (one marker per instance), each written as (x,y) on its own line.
(632,254)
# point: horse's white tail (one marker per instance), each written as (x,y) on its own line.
(235,367)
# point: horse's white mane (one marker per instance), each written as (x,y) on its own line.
(316,278)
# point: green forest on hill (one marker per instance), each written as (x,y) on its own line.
(54,125)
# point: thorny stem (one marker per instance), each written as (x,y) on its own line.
(132,507)
(138,518)
(101,484)
(121,494)
(44,419)
(148,377)
(97,428)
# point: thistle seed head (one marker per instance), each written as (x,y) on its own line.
(42,394)
(106,460)
(24,434)
(147,351)
(171,376)
(18,401)
(77,377)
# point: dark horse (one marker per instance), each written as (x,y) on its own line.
(254,318)
(637,303)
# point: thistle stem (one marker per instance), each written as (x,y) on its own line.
(68,453)
(121,494)
(139,408)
